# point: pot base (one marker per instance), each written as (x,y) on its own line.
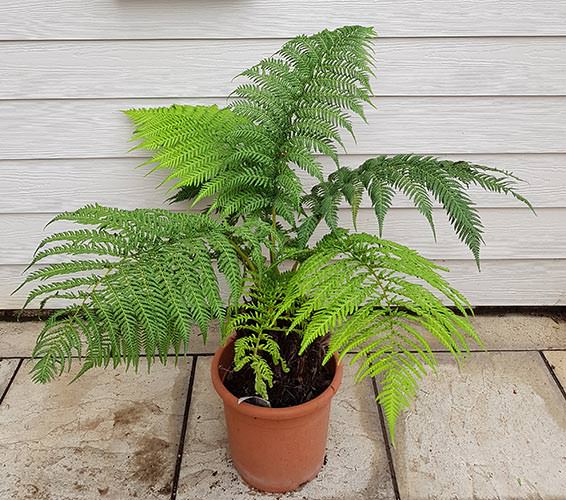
(257,483)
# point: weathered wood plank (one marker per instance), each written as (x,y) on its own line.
(97,128)
(205,68)
(103,19)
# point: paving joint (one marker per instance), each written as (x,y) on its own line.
(435,351)
(10,382)
(181,447)
(387,443)
(553,374)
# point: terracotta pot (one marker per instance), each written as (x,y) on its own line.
(274,449)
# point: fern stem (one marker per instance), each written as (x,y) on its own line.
(274,226)
(247,261)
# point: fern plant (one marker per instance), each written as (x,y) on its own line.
(140,283)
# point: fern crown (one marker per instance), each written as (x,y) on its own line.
(139,284)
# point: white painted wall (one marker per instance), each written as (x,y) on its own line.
(481,80)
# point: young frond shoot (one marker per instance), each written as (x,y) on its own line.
(139,283)
(255,320)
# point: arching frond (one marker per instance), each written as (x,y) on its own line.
(381,299)
(150,279)
(422,179)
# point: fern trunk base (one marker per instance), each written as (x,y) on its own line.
(275,449)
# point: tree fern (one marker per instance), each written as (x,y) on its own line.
(138,283)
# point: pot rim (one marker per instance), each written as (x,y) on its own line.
(272,413)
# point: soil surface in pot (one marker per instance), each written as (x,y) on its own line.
(305,380)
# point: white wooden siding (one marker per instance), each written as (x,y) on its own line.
(205,68)
(50,186)
(503,233)
(480,80)
(212,19)
(95,128)
(521,282)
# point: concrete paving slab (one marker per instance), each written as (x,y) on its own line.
(110,435)
(557,360)
(499,332)
(18,339)
(356,468)
(7,368)
(495,429)
(514,331)
(213,341)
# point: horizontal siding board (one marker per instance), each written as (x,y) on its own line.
(205,68)
(51,186)
(102,19)
(513,233)
(511,282)
(509,234)
(501,282)
(96,128)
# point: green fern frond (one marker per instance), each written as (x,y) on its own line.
(421,179)
(189,141)
(295,103)
(148,299)
(382,299)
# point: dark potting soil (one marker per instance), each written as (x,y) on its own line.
(305,380)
